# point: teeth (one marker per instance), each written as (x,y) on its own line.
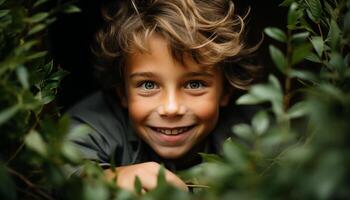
(171,131)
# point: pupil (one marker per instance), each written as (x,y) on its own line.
(194,85)
(149,85)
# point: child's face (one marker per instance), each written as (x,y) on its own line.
(172,106)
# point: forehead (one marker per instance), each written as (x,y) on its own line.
(160,58)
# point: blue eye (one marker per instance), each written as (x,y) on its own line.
(194,85)
(148,85)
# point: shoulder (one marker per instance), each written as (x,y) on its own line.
(103,113)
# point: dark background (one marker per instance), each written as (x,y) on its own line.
(71,35)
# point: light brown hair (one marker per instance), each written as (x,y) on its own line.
(209,30)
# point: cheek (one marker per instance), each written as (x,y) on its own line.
(139,108)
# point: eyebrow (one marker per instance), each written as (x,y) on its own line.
(187,75)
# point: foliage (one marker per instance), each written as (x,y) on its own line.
(296,149)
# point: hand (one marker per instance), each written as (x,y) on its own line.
(147,172)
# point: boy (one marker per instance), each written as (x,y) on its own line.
(167,71)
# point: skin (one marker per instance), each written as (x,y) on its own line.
(162,94)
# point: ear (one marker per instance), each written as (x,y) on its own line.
(226,96)
(122,96)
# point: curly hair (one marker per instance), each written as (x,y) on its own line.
(208,30)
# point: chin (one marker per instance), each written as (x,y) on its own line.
(171,152)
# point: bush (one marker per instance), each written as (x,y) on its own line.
(298,148)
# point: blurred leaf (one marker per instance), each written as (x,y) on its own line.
(313,58)
(211,158)
(300,52)
(38,17)
(39,2)
(94,190)
(36,55)
(243,131)
(58,75)
(278,58)
(37,28)
(300,37)
(7,113)
(276,34)
(260,122)
(286,2)
(71,9)
(138,186)
(34,141)
(302,74)
(161,176)
(71,153)
(334,35)
(336,62)
(315,10)
(78,131)
(249,99)
(4,13)
(235,154)
(298,110)
(293,14)
(48,68)
(2,2)
(22,75)
(318,44)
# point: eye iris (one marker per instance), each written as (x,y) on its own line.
(194,85)
(149,85)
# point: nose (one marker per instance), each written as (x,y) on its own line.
(171,106)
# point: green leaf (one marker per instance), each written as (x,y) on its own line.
(7,113)
(235,154)
(298,110)
(70,152)
(39,2)
(276,34)
(300,37)
(138,185)
(302,74)
(300,52)
(260,122)
(249,99)
(36,55)
(58,75)
(278,58)
(334,35)
(286,3)
(48,68)
(318,44)
(243,131)
(211,158)
(22,75)
(313,58)
(293,15)
(315,10)
(2,2)
(161,176)
(78,131)
(4,13)
(336,62)
(37,28)
(71,9)
(38,17)
(34,141)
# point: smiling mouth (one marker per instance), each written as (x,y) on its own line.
(172,131)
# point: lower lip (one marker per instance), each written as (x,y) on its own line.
(172,140)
